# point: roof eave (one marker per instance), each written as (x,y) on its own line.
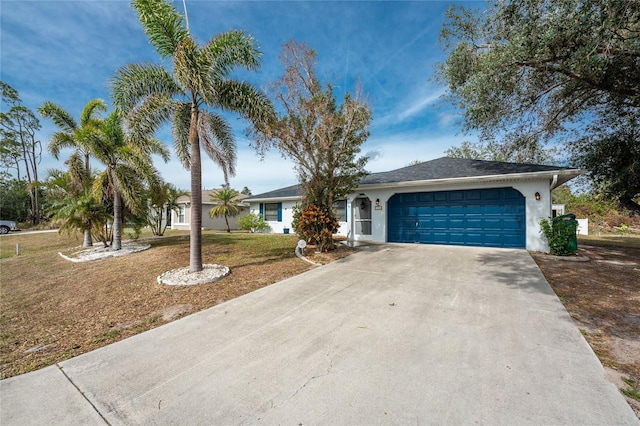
(267,199)
(564,175)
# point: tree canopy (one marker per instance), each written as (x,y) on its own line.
(21,149)
(321,136)
(525,72)
(531,153)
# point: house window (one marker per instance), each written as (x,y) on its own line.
(181,214)
(273,212)
(340,210)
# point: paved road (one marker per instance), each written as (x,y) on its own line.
(397,334)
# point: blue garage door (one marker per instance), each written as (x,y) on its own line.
(479,217)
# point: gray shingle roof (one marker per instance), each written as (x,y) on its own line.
(289,191)
(440,168)
(450,168)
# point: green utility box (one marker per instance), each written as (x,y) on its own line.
(569,223)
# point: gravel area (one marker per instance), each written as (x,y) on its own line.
(182,276)
(179,276)
(99,251)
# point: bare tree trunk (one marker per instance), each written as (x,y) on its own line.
(195,236)
(227,220)
(117,221)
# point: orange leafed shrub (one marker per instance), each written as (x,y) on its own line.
(317,226)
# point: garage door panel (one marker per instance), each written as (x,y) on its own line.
(473,195)
(486,217)
(511,224)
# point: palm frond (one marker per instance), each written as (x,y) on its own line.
(155,146)
(99,144)
(216,137)
(180,130)
(146,147)
(88,116)
(77,173)
(101,187)
(58,141)
(246,100)
(162,24)
(150,115)
(230,50)
(134,82)
(60,117)
(191,66)
(127,182)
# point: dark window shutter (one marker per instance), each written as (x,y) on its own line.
(279,212)
(262,209)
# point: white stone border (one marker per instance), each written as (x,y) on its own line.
(90,254)
(181,276)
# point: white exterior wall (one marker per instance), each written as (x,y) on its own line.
(287,219)
(175,223)
(535,210)
(217,223)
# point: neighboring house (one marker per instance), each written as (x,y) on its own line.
(557,210)
(180,218)
(443,201)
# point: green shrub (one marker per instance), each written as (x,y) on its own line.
(558,237)
(253,222)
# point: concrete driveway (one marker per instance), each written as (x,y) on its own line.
(396,334)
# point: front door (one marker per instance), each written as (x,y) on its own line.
(362,217)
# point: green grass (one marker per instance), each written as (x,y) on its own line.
(632,391)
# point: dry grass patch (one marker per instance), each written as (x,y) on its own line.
(603,297)
(52,309)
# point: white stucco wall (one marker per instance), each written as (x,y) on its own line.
(535,210)
(217,223)
(287,218)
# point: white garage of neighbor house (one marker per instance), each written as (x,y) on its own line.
(180,218)
(444,201)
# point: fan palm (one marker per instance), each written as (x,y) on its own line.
(74,135)
(226,206)
(128,165)
(198,83)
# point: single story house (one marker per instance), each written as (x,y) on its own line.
(181,217)
(443,201)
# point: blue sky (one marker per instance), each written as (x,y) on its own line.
(67,52)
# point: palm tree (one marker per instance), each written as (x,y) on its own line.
(128,165)
(74,135)
(72,202)
(226,205)
(198,83)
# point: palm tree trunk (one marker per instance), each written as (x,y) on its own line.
(195,236)
(117,221)
(227,220)
(88,239)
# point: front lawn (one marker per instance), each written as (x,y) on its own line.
(52,309)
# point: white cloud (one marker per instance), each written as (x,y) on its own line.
(418,105)
(413,105)
(446,119)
